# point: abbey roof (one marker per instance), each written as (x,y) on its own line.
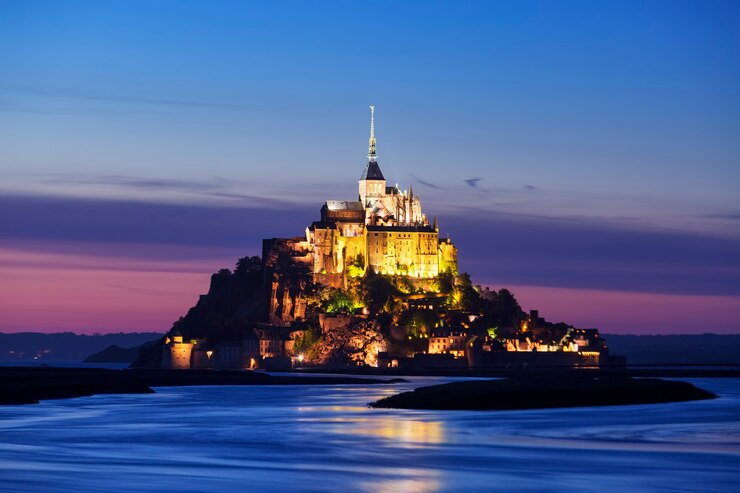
(344,205)
(372,172)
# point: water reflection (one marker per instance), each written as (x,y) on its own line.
(416,485)
(405,432)
(316,439)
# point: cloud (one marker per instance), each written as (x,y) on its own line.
(119,222)
(426,183)
(730,216)
(214,190)
(473,182)
(497,248)
(144,291)
(514,249)
(530,187)
(132,181)
(61,92)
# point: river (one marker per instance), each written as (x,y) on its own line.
(325,438)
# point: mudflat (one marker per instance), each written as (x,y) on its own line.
(29,385)
(544,392)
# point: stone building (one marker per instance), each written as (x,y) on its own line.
(384,230)
(448,341)
(176,354)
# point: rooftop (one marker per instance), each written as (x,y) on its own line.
(372,172)
(344,205)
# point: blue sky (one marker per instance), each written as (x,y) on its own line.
(589,122)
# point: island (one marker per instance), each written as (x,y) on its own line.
(373,283)
(372,286)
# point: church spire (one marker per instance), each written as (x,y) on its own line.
(371,155)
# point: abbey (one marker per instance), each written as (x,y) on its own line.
(384,230)
(313,299)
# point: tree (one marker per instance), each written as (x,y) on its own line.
(356,267)
(304,344)
(248,265)
(464,296)
(445,282)
(378,291)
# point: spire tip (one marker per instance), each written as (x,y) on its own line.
(371,154)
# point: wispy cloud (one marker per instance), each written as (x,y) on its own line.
(473,182)
(70,93)
(146,291)
(215,190)
(730,216)
(427,183)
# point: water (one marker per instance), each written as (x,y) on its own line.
(324,438)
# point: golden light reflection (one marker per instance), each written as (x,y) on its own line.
(355,420)
(337,409)
(408,432)
(411,485)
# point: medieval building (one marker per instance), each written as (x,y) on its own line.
(384,230)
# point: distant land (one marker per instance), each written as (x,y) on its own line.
(117,354)
(707,349)
(65,346)
(639,349)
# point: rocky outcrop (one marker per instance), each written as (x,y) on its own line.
(234,303)
(287,275)
(359,342)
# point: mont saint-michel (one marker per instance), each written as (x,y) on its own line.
(373,282)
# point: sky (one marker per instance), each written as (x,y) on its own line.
(583,154)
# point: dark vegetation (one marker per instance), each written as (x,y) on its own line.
(556,390)
(235,300)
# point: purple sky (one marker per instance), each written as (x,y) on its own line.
(159,256)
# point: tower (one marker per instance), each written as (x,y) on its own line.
(372,181)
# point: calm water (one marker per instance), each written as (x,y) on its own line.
(325,439)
